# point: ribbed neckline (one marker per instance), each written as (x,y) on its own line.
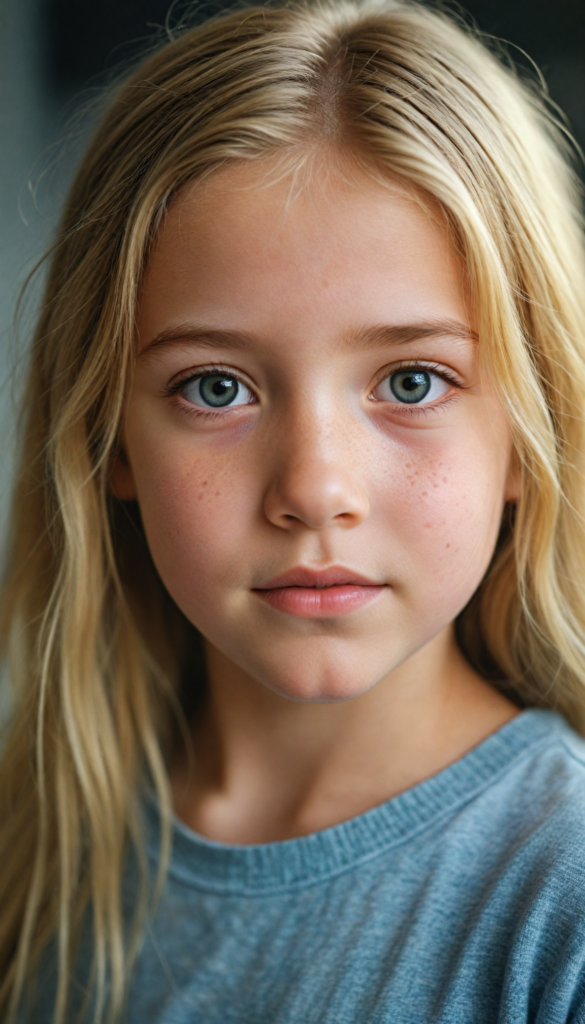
(295,863)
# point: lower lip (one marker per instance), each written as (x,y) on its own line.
(319,602)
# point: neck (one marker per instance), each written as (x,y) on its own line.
(266,768)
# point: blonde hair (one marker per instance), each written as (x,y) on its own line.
(95,647)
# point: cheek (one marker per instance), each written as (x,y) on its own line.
(443,504)
(196,508)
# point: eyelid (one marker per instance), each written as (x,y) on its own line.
(446,372)
(202,371)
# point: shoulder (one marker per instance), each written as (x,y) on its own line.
(538,802)
(518,844)
(549,941)
(544,877)
(551,786)
(511,879)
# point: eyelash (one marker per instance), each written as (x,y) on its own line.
(173,390)
(413,411)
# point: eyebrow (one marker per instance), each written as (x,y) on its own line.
(373,337)
(396,334)
(209,337)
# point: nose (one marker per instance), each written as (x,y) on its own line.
(314,482)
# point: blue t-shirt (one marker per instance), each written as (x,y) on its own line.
(460,901)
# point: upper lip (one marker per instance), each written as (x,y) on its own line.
(304,576)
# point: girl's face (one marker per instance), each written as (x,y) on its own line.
(320,467)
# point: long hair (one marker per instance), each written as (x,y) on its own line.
(95,647)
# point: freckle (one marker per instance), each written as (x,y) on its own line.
(217,494)
(447,545)
(204,484)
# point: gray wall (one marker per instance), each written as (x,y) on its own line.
(23,131)
(37,159)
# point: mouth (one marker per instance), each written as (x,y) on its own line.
(319,593)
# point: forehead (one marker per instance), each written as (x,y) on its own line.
(243,251)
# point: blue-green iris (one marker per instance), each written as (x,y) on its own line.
(410,386)
(217,389)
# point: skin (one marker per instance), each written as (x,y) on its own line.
(313,720)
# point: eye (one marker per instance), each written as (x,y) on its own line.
(216,391)
(411,386)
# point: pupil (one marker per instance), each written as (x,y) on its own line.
(218,390)
(410,385)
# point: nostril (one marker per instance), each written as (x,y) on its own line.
(315,497)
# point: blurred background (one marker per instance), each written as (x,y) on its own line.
(56,56)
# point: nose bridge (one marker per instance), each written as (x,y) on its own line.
(314,479)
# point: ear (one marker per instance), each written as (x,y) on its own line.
(121,479)
(513,479)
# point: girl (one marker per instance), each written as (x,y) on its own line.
(295,597)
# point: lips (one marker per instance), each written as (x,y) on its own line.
(319,593)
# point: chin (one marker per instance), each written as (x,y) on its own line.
(320,686)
